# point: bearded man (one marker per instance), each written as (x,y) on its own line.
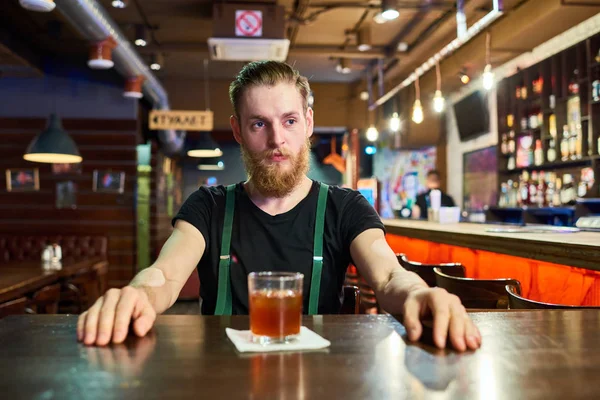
(277,220)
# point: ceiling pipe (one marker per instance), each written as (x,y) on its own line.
(474,30)
(93,23)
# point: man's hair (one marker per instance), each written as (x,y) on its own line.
(266,73)
(434,172)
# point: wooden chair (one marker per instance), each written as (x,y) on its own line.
(517,302)
(45,300)
(425,271)
(15,307)
(351,304)
(477,293)
(81,291)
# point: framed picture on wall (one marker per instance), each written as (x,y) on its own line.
(108,181)
(66,195)
(22,180)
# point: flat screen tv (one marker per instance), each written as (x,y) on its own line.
(472,116)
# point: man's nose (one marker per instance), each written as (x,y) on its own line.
(276,135)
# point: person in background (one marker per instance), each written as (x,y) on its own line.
(422,202)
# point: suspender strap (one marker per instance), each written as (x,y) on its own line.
(315,284)
(224,301)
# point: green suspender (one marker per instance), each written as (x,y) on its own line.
(224,302)
(315,284)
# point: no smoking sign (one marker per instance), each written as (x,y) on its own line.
(248,23)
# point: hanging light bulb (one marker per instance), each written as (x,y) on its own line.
(395,122)
(156,61)
(438,100)
(488,78)
(417,114)
(141,36)
(372,134)
(464,78)
(488,75)
(343,66)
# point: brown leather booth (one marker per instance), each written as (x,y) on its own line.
(29,247)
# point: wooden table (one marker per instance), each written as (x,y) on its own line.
(22,277)
(525,355)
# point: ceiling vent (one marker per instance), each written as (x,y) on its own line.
(234,49)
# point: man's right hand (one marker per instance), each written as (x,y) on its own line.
(110,317)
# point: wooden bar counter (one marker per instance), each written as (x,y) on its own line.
(553,267)
(549,354)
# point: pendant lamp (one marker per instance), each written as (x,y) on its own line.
(205,147)
(53,145)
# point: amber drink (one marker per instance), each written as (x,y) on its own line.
(275,306)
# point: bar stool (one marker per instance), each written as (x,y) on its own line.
(477,293)
(45,300)
(425,271)
(517,302)
(15,307)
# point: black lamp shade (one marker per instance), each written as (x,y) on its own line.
(53,145)
(204,147)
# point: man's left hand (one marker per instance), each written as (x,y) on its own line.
(449,317)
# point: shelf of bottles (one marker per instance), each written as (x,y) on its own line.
(549,130)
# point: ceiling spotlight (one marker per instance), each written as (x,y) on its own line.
(363,39)
(141,36)
(343,66)
(372,134)
(156,61)
(402,47)
(389,11)
(364,95)
(119,3)
(464,77)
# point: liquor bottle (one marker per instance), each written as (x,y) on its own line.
(550,189)
(579,144)
(573,140)
(504,146)
(538,154)
(524,189)
(564,144)
(552,125)
(511,162)
(538,85)
(573,84)
(532,186)
(557,191)
(568,192)
(551,156)
(511,142)
(541,190)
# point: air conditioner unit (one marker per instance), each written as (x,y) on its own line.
(235,49)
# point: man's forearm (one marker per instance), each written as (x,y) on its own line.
(160,293)
(394,293)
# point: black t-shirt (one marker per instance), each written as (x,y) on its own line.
(284,242)
(423,201)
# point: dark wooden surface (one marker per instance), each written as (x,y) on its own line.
(581,249)
(549,354)
(20,278)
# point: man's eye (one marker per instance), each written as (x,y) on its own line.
(291,121)
(259,124)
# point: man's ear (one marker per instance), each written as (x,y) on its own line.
(310,122)
(235,127)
